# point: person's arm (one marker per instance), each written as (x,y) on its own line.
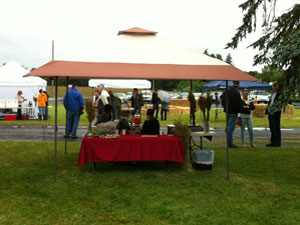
(64,101)
(251,106)
(81,104)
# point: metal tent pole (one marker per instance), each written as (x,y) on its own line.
(55,131)
(227,149)
(67,104)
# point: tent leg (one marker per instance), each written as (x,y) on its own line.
(227,149)
(55,131)
(67,104)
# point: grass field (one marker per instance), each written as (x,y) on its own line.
(264,188)
(257,122)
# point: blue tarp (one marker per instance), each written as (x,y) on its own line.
(221,85)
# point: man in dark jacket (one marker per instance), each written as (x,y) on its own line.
(74,108)
(274,113)
(155,102)
(234,107)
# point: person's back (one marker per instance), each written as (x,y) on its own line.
(234,103)
(151,125)
(42,99)
(75,100)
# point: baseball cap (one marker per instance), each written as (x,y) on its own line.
(235,83)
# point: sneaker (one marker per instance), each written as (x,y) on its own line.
(233,146)
(74,137)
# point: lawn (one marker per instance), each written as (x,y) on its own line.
(264,188)
(257,122)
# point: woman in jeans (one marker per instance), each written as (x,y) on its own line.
(246,119)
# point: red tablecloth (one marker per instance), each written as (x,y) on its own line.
(131,148)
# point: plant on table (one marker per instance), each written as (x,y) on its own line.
(192,101)
(205,103)
(90,111)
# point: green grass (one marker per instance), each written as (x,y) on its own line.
(263,189)
(220,122)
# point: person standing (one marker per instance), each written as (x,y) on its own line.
(246,119)
(234,107)
(47,105)
(20,99)
(137,101)
(103,100)
(155,103)
(164,110)
(42,100)
(273,111)
(74,109)
(116,105)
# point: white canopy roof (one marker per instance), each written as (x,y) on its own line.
(136,46)
(120,83)
(12,80)
(11,74)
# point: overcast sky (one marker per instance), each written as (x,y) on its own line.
(28,26)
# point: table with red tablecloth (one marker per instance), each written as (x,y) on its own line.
(131,148)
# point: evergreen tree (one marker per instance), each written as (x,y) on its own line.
(279,46)
(229,59)
(219,56)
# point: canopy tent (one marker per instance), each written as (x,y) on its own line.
(221,85)
(12,80)
(118,83)
(140,54)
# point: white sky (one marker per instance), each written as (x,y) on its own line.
(28,27)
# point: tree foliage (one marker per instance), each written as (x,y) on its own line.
(279,46)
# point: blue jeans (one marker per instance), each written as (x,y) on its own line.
(137,109)
(73,118)
(155,108)
(248,122)
(274,123)
(116,109)
(230,128)
(42,110)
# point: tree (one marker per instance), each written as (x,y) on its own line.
(229,59)
(279,46)
(219,56)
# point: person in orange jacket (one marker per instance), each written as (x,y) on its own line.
(42,101)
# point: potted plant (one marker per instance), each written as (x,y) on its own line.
(183,131)
(192,101)
(205,103)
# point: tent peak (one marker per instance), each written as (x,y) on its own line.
(137,30)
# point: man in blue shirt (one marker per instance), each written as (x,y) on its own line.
(74,109)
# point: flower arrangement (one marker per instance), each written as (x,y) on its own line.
(183,131)
(192,101)
(90,111)
(205,103)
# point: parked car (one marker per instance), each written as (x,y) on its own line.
(128,96)
(261,96)
(147,96)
